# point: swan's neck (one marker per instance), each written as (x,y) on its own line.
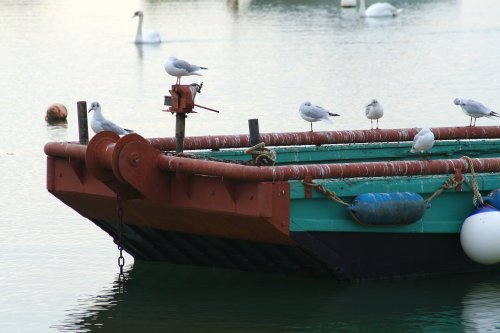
(138,36)
(362,8)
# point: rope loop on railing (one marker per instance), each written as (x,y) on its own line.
(262,155)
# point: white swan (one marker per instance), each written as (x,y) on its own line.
(378,9)
(145,36)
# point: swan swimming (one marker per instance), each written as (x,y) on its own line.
(312,113)
(378,9)
(100,124)
(145,36)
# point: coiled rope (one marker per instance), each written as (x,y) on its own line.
(262,155)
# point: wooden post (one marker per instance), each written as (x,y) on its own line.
(253,126)
(180,127)
(83,127)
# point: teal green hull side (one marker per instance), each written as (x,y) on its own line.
(446,213)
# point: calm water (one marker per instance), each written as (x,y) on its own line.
(58,271)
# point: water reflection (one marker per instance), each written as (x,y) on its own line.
(145,47)
(238,6)
(178,298)
(57,131)
(481,308)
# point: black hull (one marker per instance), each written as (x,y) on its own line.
(344,256)
(380,255)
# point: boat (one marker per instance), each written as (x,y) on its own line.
(351,205)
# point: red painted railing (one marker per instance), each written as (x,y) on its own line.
(107,154)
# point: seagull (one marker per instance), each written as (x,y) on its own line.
(100,124)
(423,141)
(374,111)
(146,36)
(474,109)
(312,113)
(177,67)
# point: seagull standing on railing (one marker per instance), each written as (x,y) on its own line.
(100,124)
(374,111)
(177,67)
(423,141)
(312,113)
(474,109)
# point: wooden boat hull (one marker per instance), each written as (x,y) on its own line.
(214,213)
(341,255)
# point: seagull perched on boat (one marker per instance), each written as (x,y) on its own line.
(100,124)
(474,109)
(423,141)
(374,111)
(177,67)
(312,113)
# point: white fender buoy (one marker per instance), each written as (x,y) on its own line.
(480,236)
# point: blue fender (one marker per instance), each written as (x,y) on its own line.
(493,199)
(388,209)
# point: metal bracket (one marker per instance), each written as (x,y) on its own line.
(459,179)
(307,187)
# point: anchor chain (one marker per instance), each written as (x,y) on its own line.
(121,259)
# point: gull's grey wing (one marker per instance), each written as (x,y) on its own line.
(184,65)
(108,125)
(315,111)
(417,138)
(475,108)
(367,109)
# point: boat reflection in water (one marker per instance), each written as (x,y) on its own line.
(164,297)
(481,308)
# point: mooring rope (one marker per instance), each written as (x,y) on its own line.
(329,194)
(448,184)
(262,155)
(478,199)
